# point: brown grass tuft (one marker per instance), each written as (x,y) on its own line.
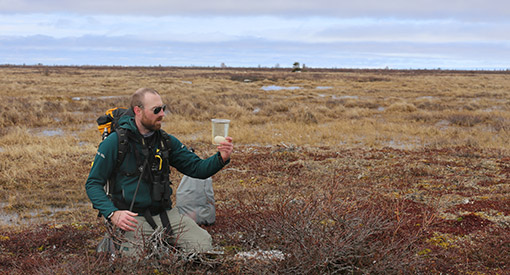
(401,107)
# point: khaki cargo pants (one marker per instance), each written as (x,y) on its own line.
(187,235)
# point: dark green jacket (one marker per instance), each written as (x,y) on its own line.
(180,157)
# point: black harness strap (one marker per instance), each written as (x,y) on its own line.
(142,167)
(149,219)
(148,215)
(165,221)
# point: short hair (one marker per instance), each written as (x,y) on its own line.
(138,96)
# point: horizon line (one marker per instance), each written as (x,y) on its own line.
(303,69)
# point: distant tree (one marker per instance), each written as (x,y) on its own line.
(296,67)
(223,65)
(277,66)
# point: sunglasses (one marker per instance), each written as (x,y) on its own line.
(159,108)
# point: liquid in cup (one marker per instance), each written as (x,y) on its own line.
(219,130)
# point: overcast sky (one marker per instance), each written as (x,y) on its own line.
(455,34)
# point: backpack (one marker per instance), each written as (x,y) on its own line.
(195,198)
(109,123)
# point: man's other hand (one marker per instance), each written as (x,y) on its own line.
(124,220)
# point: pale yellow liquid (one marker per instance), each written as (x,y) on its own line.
(219,130)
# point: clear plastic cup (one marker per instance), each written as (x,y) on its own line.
(219,130)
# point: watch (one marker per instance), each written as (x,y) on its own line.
(110,216)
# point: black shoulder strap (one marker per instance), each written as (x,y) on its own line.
(166,143)
(123,148)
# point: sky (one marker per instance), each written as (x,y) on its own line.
(395,34)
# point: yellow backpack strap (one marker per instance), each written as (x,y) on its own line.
(109,112)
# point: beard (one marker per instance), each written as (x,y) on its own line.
(151,125)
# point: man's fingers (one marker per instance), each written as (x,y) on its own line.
(128,226)
(130,213)
(128,220)
(131,219)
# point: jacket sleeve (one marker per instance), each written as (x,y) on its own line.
(192,165)
(102,168)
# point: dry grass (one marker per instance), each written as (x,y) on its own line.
(389,155)
(451,108)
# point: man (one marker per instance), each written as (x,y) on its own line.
(145,168)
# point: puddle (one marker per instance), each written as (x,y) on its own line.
(345,97)
(381,109)
(2,149)
(10,218)
(278,88)
(492,109)
(52,133)
(187,82)
(256,110)
(77,98)
(323,87)
(443,124)
(82,143)
(46,132)
(403,145)
(111,96)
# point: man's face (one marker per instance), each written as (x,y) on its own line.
(149,119)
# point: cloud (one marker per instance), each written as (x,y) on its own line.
(215,29)
(248,52)
(426,31)
(466,9)
(320,33)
